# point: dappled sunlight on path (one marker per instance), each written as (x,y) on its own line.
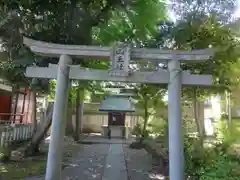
(90,163)
(141,165)
(105,159)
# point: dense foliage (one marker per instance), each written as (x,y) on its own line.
(71,22)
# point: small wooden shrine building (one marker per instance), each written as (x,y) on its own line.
(117,106)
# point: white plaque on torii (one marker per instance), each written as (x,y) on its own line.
(120,58)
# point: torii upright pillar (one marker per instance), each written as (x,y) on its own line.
(175,136)
(54,164)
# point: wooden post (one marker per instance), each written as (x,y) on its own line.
(29,131)
(6,141)
(21,132)
(24,132)
(10,139)
(3,137)
(14,133)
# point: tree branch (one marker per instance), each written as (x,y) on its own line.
(103,14)
(10,15)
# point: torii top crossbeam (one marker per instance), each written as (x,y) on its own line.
(120,56)
(56,50)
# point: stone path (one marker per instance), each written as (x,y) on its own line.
(141,166)
(89,163)
(98,139)
(109,160)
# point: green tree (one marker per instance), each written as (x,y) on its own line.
(207,32)
(77,22)
(149,99)
(200,25)
(221,9)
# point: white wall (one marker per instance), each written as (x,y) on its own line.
(96,121)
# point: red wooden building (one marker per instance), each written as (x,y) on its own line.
(15,107)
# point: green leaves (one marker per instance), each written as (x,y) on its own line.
(221,9)
(150,96)
(203,24)
(201,32)
(222,168)
(136,22)
(71,22)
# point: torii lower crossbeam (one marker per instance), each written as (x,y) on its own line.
(158,77)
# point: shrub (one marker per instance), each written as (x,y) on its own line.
(224,167)
(196,157)
(213,163)
(227,135)
(137,130)
(207,163)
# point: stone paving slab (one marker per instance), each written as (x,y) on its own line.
(115,167)
(104,140)
(89,163)
(110,161)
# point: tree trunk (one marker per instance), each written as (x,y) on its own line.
(79,113)
(196,110)
(76,136)
(15,105)
(33,145)
(69,125)
(228,109)
(23,105)
(146,116)
(200,109)
(34,113)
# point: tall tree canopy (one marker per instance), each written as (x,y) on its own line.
(74,22)
(203,24)
(222,9)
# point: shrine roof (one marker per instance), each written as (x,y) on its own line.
(117,103)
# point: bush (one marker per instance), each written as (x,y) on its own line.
(227,135)
(196,157)
(136,145)
(213,163)
(224,168)
(5,154)
(158,126)
(137,130)
(206,163)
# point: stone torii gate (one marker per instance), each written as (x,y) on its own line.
(119,71)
